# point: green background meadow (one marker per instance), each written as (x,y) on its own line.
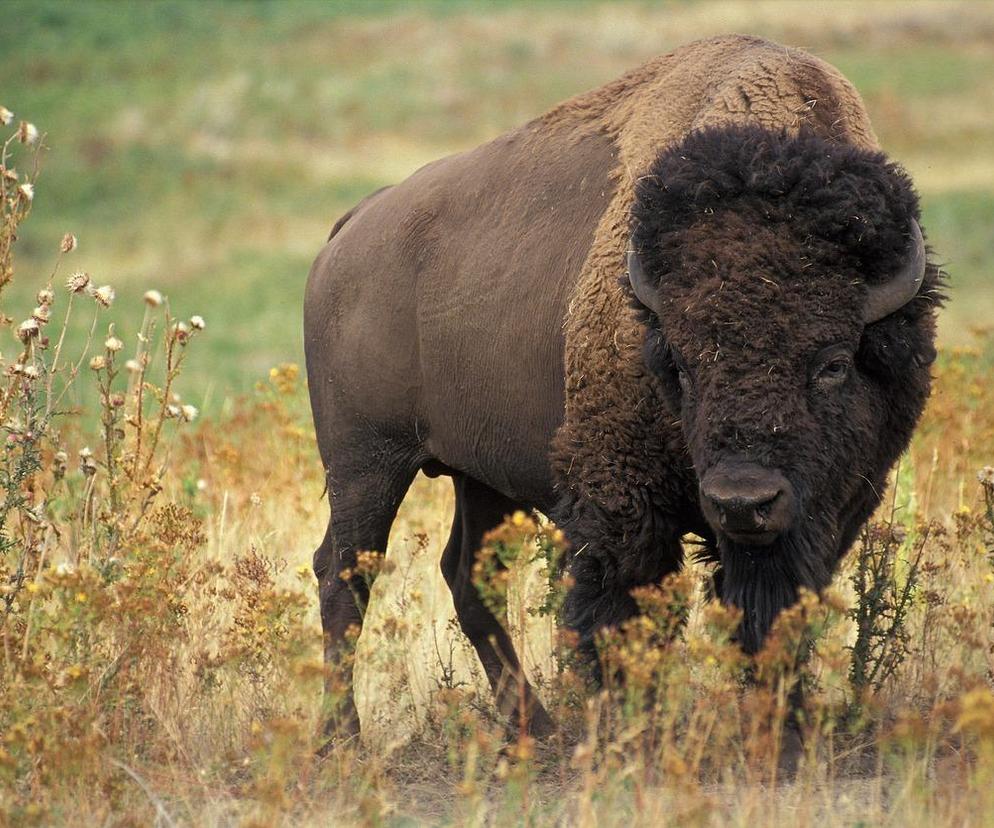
(205,149)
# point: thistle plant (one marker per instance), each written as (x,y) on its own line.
(59,519)
(886,579)
(986,478)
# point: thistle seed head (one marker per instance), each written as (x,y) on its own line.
(104,295)
(27,329)
(78,282)
(27,133)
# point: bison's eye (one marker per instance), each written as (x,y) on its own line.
(833,372)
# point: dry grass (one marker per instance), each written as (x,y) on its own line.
(160,641)
(161,649)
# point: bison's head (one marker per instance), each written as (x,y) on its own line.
(791,321)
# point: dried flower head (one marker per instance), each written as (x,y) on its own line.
(182,332)
(172,411)
(133,366)
(87,464)
(113,344)
(197,322)
(98,363)
(31,371)
(104,295)
(40,314)
(45,297)
(189,413)
(59,463)
(77,282)
(986,476)
(6,116)
(27,329)
(27,133)
(27,191)
(153,298)
(69,243)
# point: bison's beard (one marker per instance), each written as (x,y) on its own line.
(764,582)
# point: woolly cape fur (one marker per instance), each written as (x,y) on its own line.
(723,81)
(620,464)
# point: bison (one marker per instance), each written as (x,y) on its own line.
(694,300)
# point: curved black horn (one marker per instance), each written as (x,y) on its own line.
(882,300)
(643,289)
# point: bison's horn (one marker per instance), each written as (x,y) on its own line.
(884,299)
(643,289)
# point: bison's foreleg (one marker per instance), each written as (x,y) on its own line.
(613,552)
(594,603)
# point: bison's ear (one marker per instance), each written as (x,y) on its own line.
(891,350)
(643,288)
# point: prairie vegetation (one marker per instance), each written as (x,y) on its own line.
(160,490)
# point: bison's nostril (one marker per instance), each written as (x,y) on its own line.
(744,513)
(743,502)
(750,503)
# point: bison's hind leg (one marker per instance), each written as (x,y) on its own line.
(478,510)
(365,492)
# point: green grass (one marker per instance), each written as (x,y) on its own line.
(961,228)
(921,73)
(205,148)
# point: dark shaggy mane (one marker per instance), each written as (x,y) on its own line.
(837,200)
(827,195)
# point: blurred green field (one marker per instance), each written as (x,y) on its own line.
(205,148)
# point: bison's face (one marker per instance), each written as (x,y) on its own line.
(791,326)
(780,415)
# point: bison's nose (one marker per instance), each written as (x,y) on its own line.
(747,502)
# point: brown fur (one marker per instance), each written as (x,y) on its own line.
(472,316)
(600,451)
